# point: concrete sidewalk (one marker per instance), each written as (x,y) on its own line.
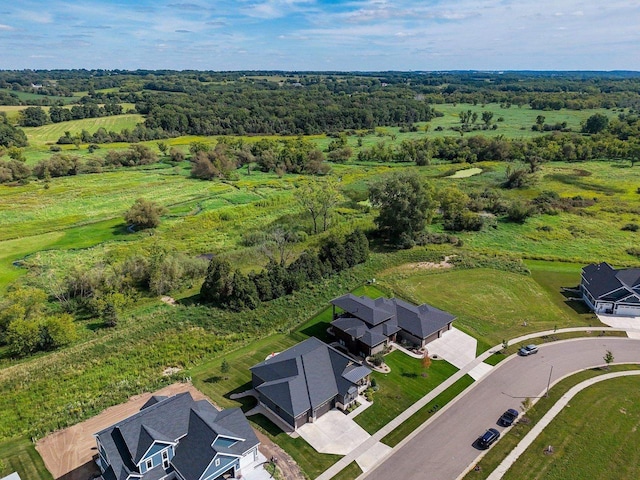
(528,439)
(392,425)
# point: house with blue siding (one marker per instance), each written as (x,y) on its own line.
(177,438)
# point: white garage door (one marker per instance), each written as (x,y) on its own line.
(627,310)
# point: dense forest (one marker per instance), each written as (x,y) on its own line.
(214,103)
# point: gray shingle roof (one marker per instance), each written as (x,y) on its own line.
(318,376)
(371,311)
(420,321)
(602,280)
(169,420)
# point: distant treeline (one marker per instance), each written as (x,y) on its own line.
(617,140)
(216,103)
(36,116)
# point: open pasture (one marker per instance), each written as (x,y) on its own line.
(50,133)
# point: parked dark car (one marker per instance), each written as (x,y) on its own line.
(528,350)
(488,438)
(508,417)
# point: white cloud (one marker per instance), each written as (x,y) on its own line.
(6,27)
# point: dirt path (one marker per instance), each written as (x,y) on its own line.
(68,454)
(289,468)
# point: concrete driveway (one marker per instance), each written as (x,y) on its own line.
(443,448)
(459,349)
(631,324)
(334,432)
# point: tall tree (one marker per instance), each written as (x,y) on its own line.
(217,284)
(319,198)
(405,204)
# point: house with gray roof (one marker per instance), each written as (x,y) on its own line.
(177,438)
(366,326)
(304,382)
(607,290)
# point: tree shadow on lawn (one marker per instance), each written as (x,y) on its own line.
(190,301)
(246,403)
(318,330)
(265,424)
(120,229)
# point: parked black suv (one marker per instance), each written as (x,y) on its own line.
(508,417)
(488,438)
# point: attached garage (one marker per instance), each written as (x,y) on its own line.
(628,310)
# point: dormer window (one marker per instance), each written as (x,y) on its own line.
(149,464)
(217,462)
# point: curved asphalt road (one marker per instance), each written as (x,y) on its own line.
(443,450)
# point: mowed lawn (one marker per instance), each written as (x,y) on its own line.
(596,437)
(491,305)
(407,383)
(20,455)
(50,133)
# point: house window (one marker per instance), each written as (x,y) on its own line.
(217,462)
(149,464)
(165,459)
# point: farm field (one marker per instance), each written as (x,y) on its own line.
(49,134)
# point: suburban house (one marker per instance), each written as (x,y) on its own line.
(304,382)
(607,290)
(177,438)
(366,326)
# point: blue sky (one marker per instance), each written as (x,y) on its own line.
(321,34)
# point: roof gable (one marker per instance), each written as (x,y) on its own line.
(318,378)
(370,311)
(603,282)
(421,321)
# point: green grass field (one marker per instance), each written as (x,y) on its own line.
(596,437)
(406,384)
(28,97)
(20,455)
(49,134)
(489,304)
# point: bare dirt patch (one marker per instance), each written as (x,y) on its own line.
(429,265)
(68,454)
(169,300)
(289,468)
(409,268)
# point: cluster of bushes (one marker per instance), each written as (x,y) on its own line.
(234,290)
(27,327)
(101,289)
(139,133)
(63,165)
(10,136)
(283,156)
(13,171)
